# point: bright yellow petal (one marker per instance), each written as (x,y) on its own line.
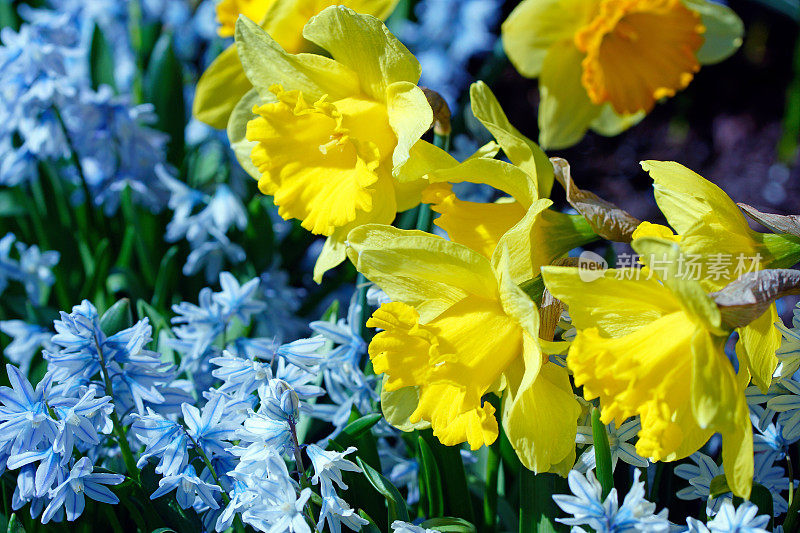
(423,159)
(363,44)
(220,88)
(520,150)
(614,304)
(398,405)
(420,269)
(688,201)
(646,229)
(265,63)
(410,116)
(565,111)
(737,454)
(476,225)
(758,342)
(541,418)
(715,390)
(498,174)
(535,25)
(228,12)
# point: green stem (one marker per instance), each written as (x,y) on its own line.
(602,453)
(787,146)
(492,476)
(119,431)
(790,524)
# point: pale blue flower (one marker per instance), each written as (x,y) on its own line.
(618,440)
(398,526)
(328,467)
(188,487)
(699,476)
(163,439)
(744,519)
(586,507)
(36,270)
(788,406)
(24,418)
(208,429)
(81,481)
(335,511)
(26,341)
(240,374)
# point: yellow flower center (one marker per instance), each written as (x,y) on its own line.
(322,162)
(228,12)
(638,51)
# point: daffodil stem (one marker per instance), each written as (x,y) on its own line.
(492,476)
(790,473)
(425,215)
(602,453)
(537,509)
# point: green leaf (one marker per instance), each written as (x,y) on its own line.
(370,527)
(762,498)
(395,501)
(602,453)
(117,318)
(360,493)
(718,487)
(14,525)
(163,87)
(537,512)
(449,524)
(163,530)
(165,280)
(431,479)
(101,60)
(457,499)
(8,15)
(9,207)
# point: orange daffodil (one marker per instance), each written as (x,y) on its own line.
(439,360)
(224,83)
(603,64)
(329,138)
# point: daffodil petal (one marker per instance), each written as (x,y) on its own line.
(737,455)
(627,304)
(535,25)
(237,131)
(420,269)
(611,124)
(364,45)
(520,150)
(724,30)
(565,110)
(758,342)
(265,63)
(541,419)
(410,116)
(220,88)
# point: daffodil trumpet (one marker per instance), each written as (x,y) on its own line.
(603,64)
(438,361)
(331,138)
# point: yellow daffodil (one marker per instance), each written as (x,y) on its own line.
(324,136)
(438,359)
(525,180)
(224,83)
(655,348)
(603,64)
(717,242)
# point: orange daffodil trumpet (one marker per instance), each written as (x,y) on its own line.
(603,64)
(439,360)
(329,138)
(224,83)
